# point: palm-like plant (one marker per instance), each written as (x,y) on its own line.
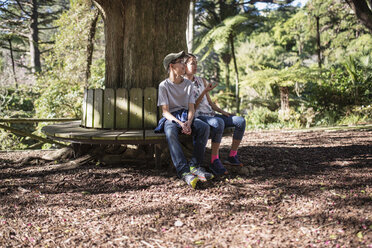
(359,71)
(284,78)
(220,22)
(221,39)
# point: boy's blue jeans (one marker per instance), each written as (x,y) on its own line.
(219,122)
(200,133)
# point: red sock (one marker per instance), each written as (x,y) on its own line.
(214,157)
(233,153)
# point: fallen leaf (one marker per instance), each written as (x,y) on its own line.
(333,236)
(199,242)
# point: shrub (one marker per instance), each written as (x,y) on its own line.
(260,117)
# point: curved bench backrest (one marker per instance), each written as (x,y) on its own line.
(120,109)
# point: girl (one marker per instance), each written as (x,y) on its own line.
(205,111)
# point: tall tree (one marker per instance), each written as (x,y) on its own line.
(90,46)
(138,34)
(224,20)
(29,19)
(333,26)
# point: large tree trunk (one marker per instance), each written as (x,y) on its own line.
(34,38)
(362,11)
(138,34)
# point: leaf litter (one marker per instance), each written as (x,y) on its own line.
(297,189)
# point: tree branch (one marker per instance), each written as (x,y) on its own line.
(9,12)
(20,6)
(362,11)
(265,1)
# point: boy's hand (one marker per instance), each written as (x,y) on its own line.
(186,127)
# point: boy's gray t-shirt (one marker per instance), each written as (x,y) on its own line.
(176,96)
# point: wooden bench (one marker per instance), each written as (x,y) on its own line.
(115,117)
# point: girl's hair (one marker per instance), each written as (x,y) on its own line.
(189,56)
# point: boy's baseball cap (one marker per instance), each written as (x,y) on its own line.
(172,56)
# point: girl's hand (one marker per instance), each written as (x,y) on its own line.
(210,87)
(226,113)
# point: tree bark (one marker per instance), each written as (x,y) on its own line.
(90,47)
(284,99)
(138,34)
(237,98)
(226,58)
(34,38)
(362,11)
(318,41)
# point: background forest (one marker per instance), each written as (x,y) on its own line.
(279,65)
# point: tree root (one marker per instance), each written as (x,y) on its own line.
(60,154)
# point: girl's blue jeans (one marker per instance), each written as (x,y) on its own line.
(219,122)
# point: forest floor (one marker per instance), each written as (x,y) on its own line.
(299,188)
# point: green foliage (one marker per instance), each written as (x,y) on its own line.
(258,53)
(22,20)
(11,141)
(97,78)
(338,25)
(59,99)
(293,34)
(260,117)
(218,36)
(17,103)
(223,98)
(62,83)
(286,77)
(341,86)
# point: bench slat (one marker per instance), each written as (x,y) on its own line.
(108,108)
(121,108)
(90,104)
(151,135)
(131,135)
(98,108)
(150,108)
(135,108)
(84,110)
(111,135)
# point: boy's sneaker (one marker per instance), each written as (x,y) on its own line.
(217,168)
(201,173)
(190,179)
(233,160)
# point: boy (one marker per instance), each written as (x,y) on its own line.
(177,103)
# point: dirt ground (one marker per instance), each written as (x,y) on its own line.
(308,188)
